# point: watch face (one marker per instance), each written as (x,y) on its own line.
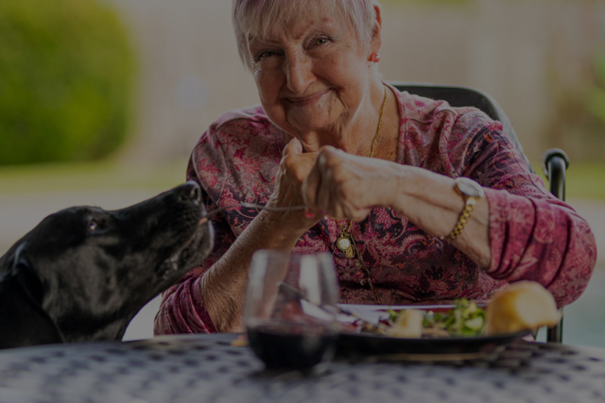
(469,187)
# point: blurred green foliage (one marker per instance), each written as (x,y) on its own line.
(66,77)
(577,124)
(595,99)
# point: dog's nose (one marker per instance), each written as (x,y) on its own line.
(190,191)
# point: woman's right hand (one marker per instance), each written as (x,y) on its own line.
(294,169)
(224,285)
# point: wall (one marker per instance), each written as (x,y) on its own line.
(517,51)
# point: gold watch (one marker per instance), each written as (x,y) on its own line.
(471,192)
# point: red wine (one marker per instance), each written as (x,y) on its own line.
(292,346)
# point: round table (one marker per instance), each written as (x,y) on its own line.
(207,368)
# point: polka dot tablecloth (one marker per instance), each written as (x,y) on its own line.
(207,368)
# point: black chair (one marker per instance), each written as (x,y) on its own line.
(554,161)
(554,165)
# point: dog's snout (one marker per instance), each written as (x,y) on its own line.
(190,191)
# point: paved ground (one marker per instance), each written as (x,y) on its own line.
(584,325)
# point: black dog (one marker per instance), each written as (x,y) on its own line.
(84,272)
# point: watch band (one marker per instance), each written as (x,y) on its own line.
(471,192)
(463,219)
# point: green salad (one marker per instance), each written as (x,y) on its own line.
(466,319)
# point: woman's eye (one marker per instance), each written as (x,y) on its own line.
(319,42)
(264,55)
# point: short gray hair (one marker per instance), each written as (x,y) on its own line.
(256,17)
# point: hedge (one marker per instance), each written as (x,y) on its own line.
(66,80)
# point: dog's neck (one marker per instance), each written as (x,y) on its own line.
(84,326)
(111,331)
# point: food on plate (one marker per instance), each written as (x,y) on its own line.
(465,319)
(407,324)
(524,305)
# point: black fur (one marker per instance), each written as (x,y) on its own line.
(83,273)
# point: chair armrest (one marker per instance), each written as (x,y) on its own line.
(554,165)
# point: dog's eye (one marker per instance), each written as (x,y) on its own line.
(93,225)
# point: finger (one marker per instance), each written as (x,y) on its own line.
(359,214)
(329,195)
(323,195)
(352,196)
(294,147)
(337,194)
(311,186)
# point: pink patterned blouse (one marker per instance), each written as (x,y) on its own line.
(533,235)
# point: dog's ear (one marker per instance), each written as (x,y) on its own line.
(27,278)
(32,287)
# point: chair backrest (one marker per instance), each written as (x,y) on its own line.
(464,96)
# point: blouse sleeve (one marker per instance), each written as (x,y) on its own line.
(182,309)
(533,235)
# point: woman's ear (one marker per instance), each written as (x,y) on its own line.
(376,41)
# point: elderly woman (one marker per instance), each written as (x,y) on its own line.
(384,176)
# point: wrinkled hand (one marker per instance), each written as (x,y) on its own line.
(294,168)
(347,186)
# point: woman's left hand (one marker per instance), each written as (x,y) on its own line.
(347,186)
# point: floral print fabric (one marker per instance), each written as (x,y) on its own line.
(533,235)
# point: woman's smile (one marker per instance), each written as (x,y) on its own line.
(306,100)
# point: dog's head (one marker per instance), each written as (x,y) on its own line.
(92,270)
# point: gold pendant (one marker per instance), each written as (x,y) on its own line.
(345,245)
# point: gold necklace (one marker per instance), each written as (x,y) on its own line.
(345,242)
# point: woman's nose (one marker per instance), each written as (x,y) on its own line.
(299,73)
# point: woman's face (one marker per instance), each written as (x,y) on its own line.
(312,76)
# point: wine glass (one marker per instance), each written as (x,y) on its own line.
(291,310)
